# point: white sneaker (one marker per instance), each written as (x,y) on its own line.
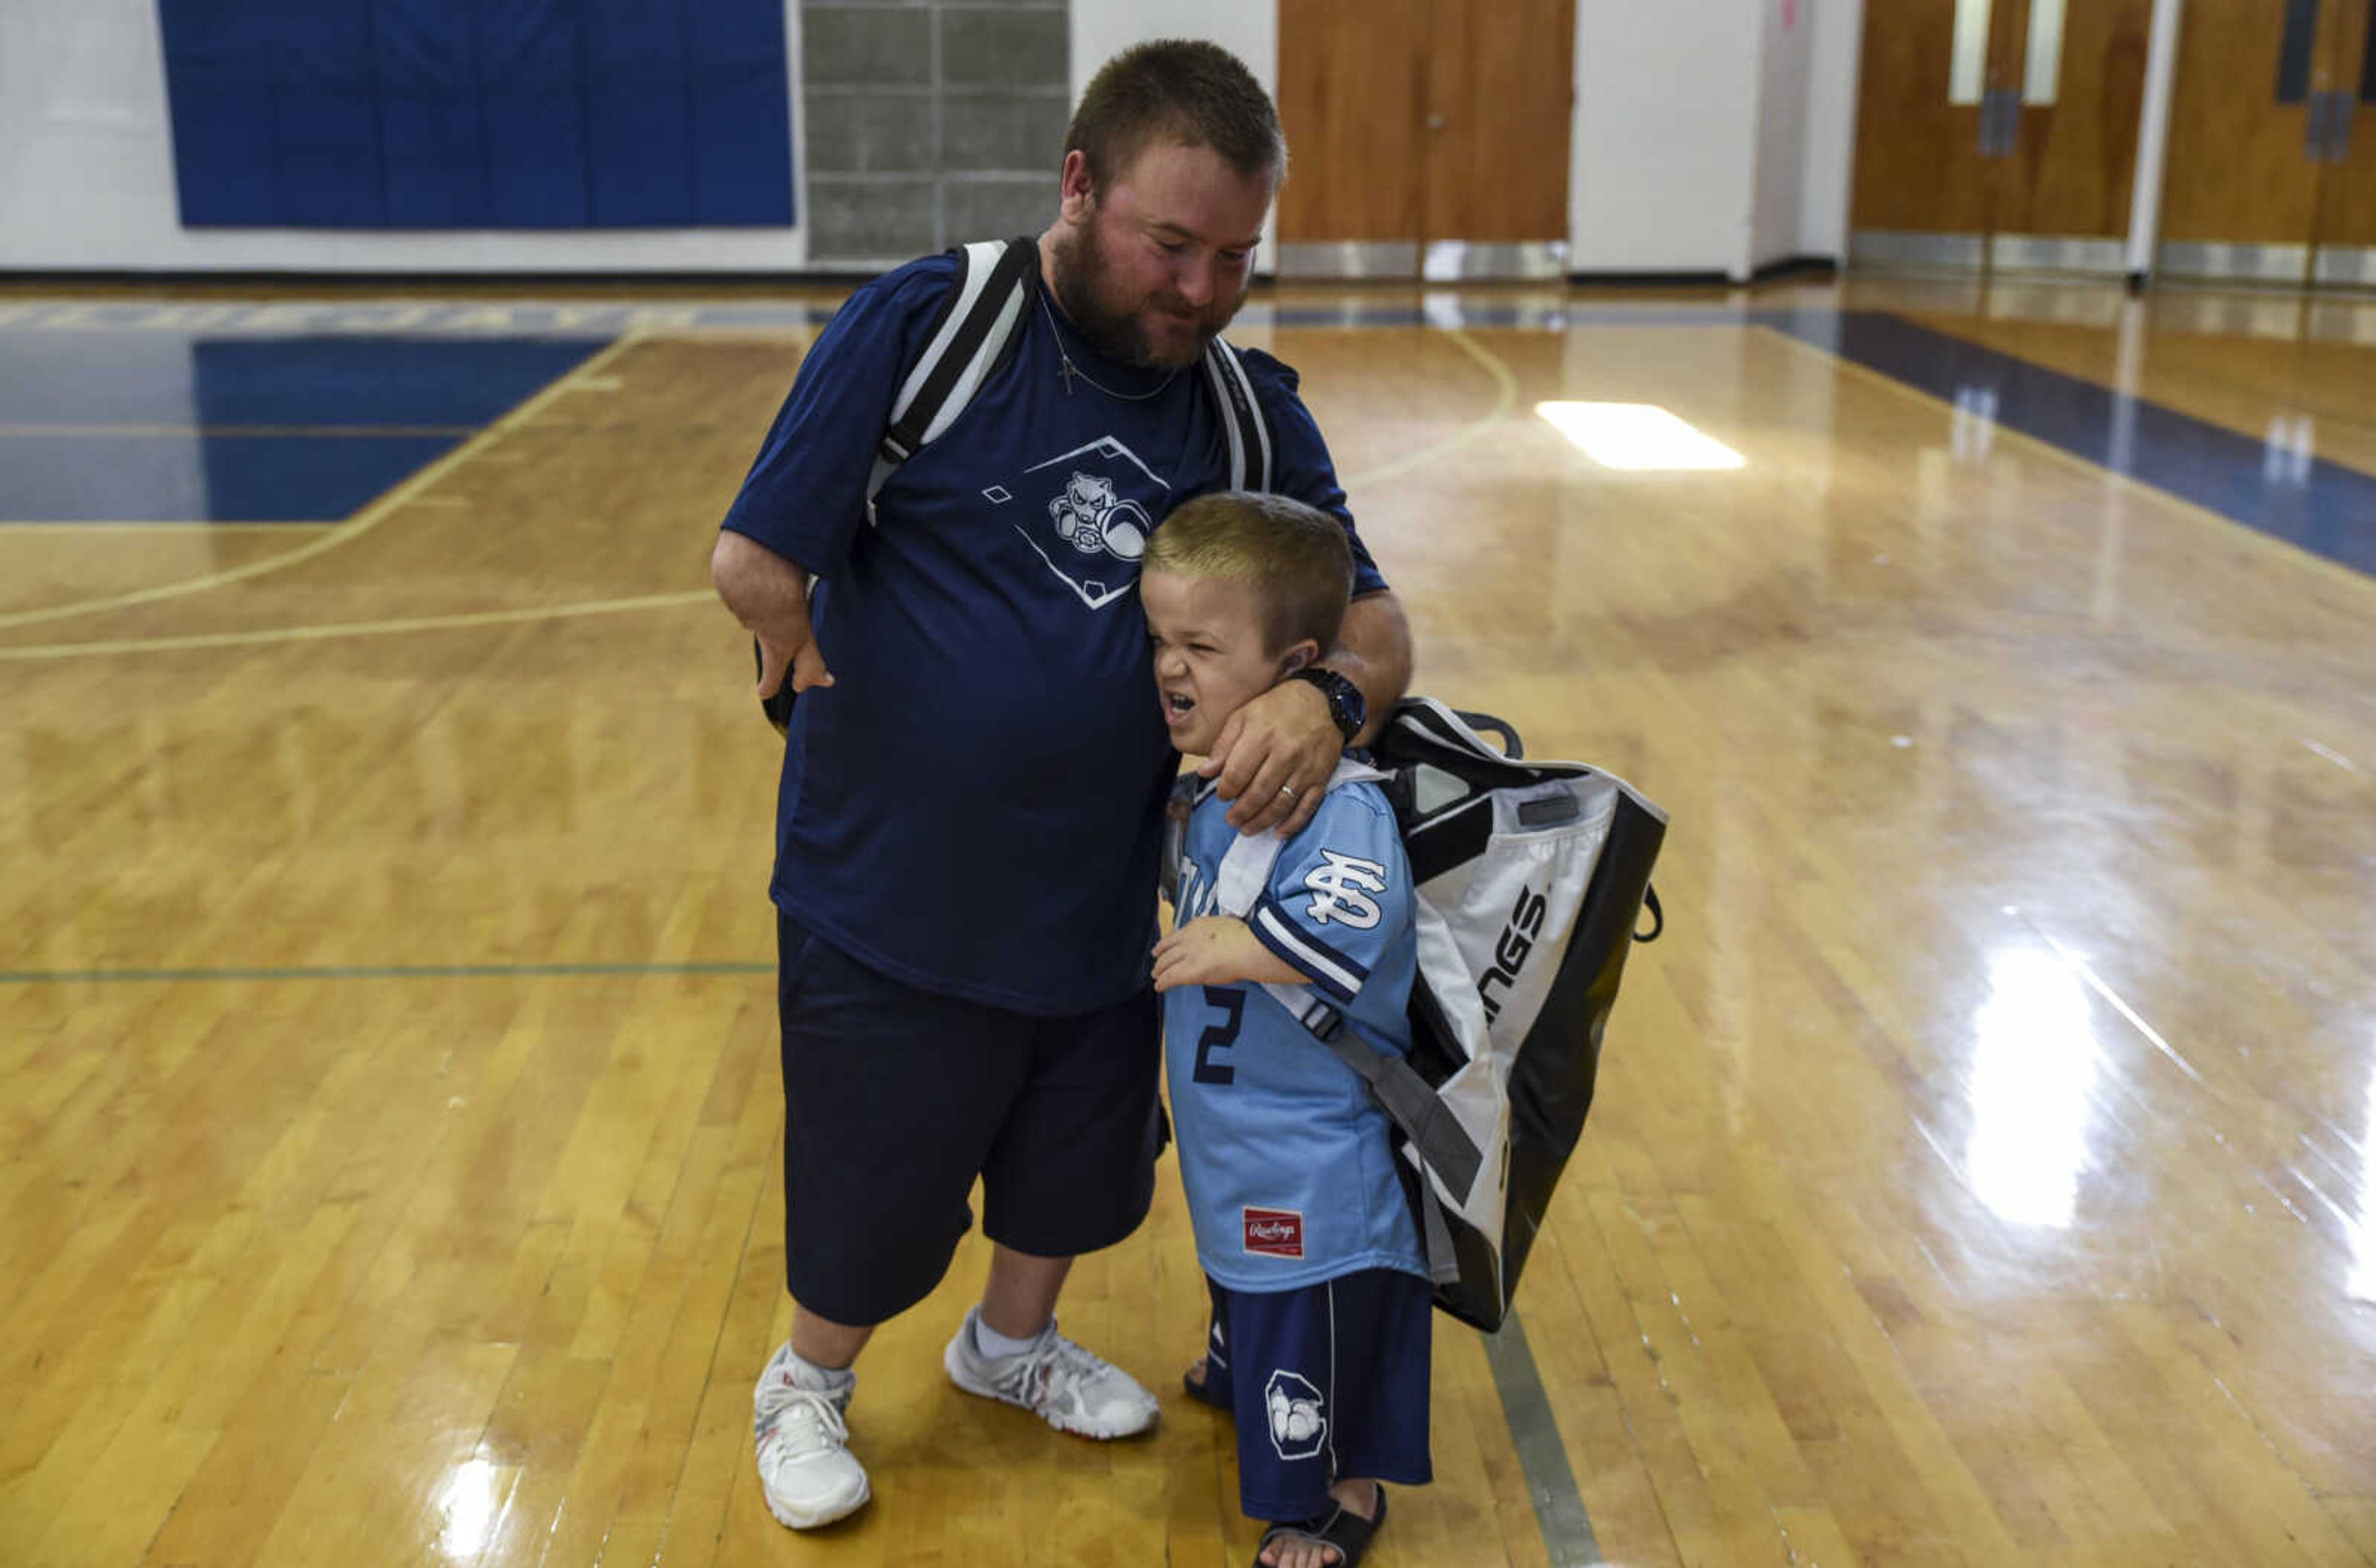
(1055,1380)
(806,1466)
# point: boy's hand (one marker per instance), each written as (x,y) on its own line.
(1215,950)
(1275,757)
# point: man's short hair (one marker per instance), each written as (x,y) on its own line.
(1294,556)
(1176,90)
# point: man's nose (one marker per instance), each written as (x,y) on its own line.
(1194,279)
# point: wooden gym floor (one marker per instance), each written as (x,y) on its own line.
(1984,1171)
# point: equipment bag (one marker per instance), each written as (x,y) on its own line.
(1531,878)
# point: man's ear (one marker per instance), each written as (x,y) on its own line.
(1077,196)
(1298,656)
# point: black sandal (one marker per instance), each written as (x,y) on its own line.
(1202,1392)
(1343,1528)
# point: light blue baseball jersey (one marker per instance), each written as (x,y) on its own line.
(1283,1150)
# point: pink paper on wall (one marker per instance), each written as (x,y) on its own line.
(1790,14)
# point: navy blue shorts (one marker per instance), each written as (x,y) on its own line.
(896,1099)
(1325,1381)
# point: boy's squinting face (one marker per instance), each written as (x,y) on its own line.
(1209,659)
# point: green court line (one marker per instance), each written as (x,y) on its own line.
(372,971)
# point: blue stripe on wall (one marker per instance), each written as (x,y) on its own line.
(479,114)
(2324,508)
(534,116)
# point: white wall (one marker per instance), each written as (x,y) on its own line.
(1703,134)
(1248,28)
(1661,175)
(1833,69)
(86,176)
(1786,58)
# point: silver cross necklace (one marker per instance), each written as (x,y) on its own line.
(1068,369)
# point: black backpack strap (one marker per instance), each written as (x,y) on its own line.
(1241,417)
(978,327)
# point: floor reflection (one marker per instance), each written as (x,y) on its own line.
(2037,1062)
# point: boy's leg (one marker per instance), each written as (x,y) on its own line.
(1282,1372)
(1362,1344)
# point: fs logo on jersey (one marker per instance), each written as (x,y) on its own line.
(1340,889)
(1086,514)
(1299,1421)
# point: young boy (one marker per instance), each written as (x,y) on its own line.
(1320,1340)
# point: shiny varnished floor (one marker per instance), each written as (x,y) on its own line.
(1985,1164)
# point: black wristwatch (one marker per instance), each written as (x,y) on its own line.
(1347,707)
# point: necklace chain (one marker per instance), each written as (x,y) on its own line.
(1068,369)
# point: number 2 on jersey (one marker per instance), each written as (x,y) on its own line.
(1220,1036)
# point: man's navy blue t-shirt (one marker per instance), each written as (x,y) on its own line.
(974,805)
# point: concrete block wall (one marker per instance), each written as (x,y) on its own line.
(929,123)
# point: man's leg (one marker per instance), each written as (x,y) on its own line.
(1071,1171)
(892,1099)
(1020,1299)
(822,1343)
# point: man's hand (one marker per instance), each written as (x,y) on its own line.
(802,659)
(769,594)
(1218,950)
(1275,757)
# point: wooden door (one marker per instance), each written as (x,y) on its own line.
(1500,91)
(2073,166)
(1434,128)
(2242,193)
(1352,93)
(2346,236)
(1919,167)
(1973,144)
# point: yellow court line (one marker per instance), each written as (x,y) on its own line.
(1505,382)
(345,533)
(365,628)
(242,431)
(2127,484)
(100,526)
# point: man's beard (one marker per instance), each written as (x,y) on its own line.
(1085,285)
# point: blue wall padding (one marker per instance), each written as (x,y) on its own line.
(738,81)
(434,173)
(479,114)
(218,64)
(641,140)
(326,104)
(534,115)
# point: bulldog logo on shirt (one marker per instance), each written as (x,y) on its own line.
(1096,504)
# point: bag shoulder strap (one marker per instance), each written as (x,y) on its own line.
(979,326)
(1241,417)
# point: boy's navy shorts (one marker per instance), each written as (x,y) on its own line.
(895,1099)
(1325,1381)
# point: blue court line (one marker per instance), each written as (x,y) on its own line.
(177,425)
(372,971)
(2320,507)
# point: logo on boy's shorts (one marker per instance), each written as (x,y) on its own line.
(1299,1425)
(1274,1232)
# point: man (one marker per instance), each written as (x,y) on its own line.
(970,812)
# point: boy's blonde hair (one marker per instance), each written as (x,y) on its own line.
(1295,556)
